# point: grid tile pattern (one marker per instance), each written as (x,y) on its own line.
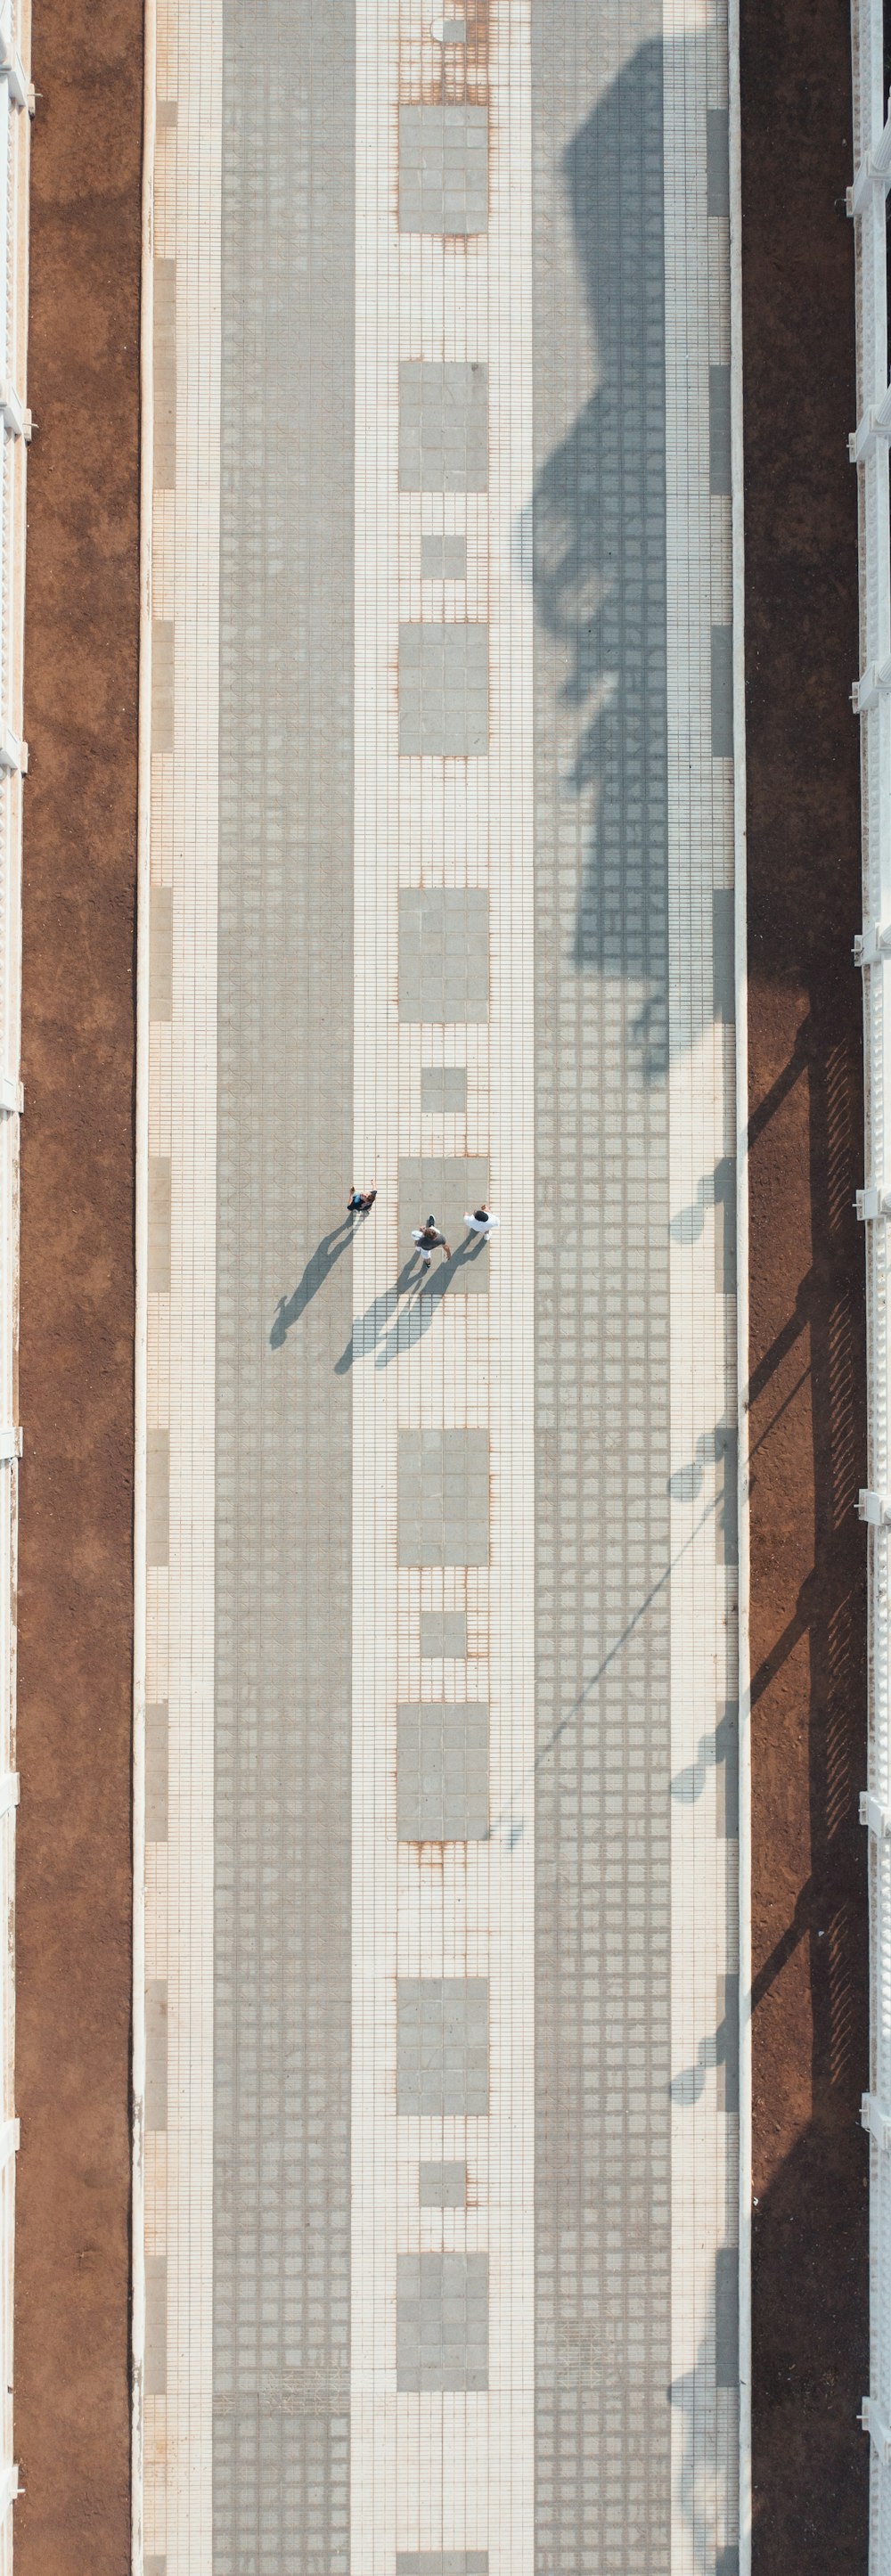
(443,1784)
(443,1497)
(443,953)
(442,2321)
(442,2063)
(442,2186)
(603,1946)
(443,170)
(465,1566)
(443,426)
(281,1840)
(444,689)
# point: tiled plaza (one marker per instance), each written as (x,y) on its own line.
(442,2088)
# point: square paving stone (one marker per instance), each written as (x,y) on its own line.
(443,169)
(443,1777)
(443,426)
(443,954)
(443,1090)
(444,691)
(443,2046)
(442,2186)
(443,1498)
(444,1635)
(442,2321)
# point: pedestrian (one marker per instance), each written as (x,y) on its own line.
(427,1237)
(481,1222)
(360,1201)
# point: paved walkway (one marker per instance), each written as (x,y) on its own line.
(441,2111)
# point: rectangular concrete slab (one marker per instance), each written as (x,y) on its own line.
(442,2321)
(161,952)
(159,1225)
(157,1508)
(164,363)
(717,162)
(443,426)
(443,2045)
(157,1740)
(722,692)
(442,2562)
(444,690)
(155,2365)
(443,558)
(443,1772)
(443,1090)
(444,1634)
(723,955)
(442,2186)
(443,170)
(443,953)
(443,1497)
(447,1188)
(156,2053)
(162,685)
(719,429)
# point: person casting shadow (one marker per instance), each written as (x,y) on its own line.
(415,1320)
(318,1269)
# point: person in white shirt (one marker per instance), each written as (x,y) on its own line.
(481,1222)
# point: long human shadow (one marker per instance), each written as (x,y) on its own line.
(402,1328)
(368,1328)
(414,1321)
(599,550)
(318,1268)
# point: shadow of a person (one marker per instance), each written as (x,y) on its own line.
(415,1319)
(368,1328)
(318,1269)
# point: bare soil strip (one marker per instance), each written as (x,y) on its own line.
(810,2362)
(75,1590)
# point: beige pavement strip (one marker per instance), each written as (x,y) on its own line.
(180,1144)
(443,2469)
(704,1678)
(436,2468)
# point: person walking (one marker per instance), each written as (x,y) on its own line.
(481,1222)
(428,1237)
(360,1201)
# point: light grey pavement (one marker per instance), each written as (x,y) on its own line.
(603,1898)
(442,1978)
(283,1502)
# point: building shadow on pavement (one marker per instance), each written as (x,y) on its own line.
(598,554)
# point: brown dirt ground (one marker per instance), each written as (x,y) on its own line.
(76,1371)
(72,2409)
(807,1309)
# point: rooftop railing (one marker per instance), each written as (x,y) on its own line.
(871,695)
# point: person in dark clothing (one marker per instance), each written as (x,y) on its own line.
(428,1237)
